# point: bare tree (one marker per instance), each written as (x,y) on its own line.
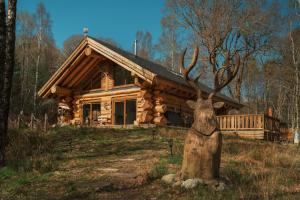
(295,54)
(296,65)
(221,25)
(169,45)
(7,51)
(144,45)
(42,25)
(70,44)
(36,59)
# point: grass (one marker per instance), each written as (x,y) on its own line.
(87,163)
(158,170)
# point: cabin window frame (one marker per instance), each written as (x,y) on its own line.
(91,121)
(123,99)
(89,85)
(128,80)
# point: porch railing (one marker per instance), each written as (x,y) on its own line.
(248,122)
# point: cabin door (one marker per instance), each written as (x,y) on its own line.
(124,111)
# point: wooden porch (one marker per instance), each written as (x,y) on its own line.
(257,126)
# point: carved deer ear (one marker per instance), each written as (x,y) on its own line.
(191,104)
(218,105)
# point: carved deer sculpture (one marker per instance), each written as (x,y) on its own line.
(203,143)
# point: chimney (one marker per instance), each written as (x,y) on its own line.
(135,47)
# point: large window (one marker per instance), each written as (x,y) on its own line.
(122,76)
(91,113)
(124,111)
(94,82)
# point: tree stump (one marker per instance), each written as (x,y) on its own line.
(201,156)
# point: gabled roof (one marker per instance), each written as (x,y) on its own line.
(143,68)
(159,70)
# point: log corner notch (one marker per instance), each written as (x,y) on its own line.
(61,91)
(159,108)
(89,52)
(140,83)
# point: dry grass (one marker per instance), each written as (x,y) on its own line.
(71,163)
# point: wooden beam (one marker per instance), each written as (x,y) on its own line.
(91,77)
(71,66)
(45,90)
(160,108)
(89,52)
(122,61)
(61,91)
(75,70)
(85,69)
(160,120)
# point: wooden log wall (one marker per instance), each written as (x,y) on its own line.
(105,99)
(153,104)
(76,111)
(106,108)
(144,106)
(107,81)
(159,108)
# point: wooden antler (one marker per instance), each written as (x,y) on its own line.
(185,71)
(231,70)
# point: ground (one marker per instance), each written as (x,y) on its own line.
(84,163)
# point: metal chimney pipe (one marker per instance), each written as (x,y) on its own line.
(135,47)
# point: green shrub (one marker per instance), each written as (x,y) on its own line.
(208,193)
(30,151)
(158,170)
(232,148)
(175,159)
(235,172)
(256,154)
(22,180)
(6,173)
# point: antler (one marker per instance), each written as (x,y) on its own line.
(231,68)
(185,71)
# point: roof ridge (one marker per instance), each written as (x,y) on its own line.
(158,68)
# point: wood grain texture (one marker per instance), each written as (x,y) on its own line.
(201,156)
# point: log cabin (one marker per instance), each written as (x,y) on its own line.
(102,85)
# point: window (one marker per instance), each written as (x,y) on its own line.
(124,111)
(95,111)
(122,76)
(93,82)
(91,113)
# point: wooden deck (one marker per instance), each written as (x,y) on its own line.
(258,126)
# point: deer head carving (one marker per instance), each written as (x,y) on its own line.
(205,121)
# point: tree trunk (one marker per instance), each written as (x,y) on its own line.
(2,63)
(238,84)
(37,68)
(296,65)
(201,156)
(9,49)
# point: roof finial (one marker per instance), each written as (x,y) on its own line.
(85,31)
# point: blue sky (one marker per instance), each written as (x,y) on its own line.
(116,19)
